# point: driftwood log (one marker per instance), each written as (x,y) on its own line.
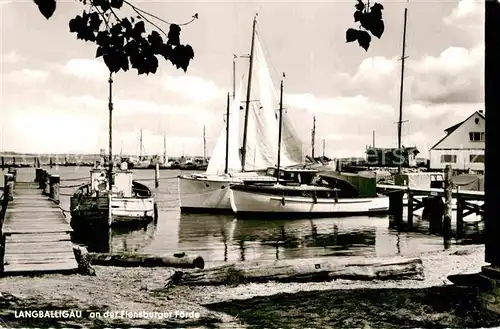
(306,270)
(179,260)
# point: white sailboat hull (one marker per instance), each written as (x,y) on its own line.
(211,194)
(131,209)
(247,203)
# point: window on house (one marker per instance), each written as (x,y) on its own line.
(448,158)
(476,136)
(476,158)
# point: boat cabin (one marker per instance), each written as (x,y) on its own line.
(292,175)
(122,182)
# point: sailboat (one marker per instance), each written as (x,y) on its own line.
(103,204)
(230,164)
(142,162)
(305,192)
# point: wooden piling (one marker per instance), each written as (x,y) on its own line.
(46,189)
(14,161)
(448,206)
(396,206)
(3,163)
(54,187)
(157,175)
(13,171)
(9,186)
(410,210)
(460,217)
(42,179)
(50,163)
(435,210)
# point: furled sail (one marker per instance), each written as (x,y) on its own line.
(217,162)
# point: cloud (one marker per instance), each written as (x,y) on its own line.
(468,14)
(25,76)
(192,88)
(88,69)
(455,76)
(11,57)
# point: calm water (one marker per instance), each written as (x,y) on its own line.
(223,238)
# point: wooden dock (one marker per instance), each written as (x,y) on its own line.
(35,232)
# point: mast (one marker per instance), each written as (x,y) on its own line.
(234,76)
(247,105)
(140,145)
(279,132)
(313,136)
(400,122)
(373,139)
(323,148)
(164,149)
(226,168)
(204,145)
(110,126)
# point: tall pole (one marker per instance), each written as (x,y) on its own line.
(226,167)
(140,145)
(234,76)
(110,107)
(323,148)
(313,136)
(164,149)
(247,105)
(279,132)
(373,141)
(400,122)
(204,145)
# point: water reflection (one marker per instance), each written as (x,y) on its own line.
(125,239)
(225,238)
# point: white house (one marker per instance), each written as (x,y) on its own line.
(462,147)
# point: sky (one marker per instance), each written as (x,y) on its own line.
(54,93)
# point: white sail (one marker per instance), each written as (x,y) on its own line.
(217,162)
(267,120)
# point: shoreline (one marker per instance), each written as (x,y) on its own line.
(143,289)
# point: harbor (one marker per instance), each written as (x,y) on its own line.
(210,166)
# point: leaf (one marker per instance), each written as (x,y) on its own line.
(360,5)
(174,35)
(112,61)
(116,4)
(99,52)
(75,24)
(377,28)
(156,42)
(364,39)
(358,15)
(366,21)
(376,11)
(139,28)
(46,7)
(351,35)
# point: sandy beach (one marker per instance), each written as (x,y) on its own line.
(112,296)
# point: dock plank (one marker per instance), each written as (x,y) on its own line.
(37,234)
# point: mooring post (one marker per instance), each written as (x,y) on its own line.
(54,187)
(435,211)
(410,210)
(41,181)
(460,217)
(38,175)
(3,163)
(396,206)
(13,171)
(46,188)
(50,163)
(9,186)
(157,175)
(14,161)
(448,205)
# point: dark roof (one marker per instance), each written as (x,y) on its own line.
(451,129)
(407,149)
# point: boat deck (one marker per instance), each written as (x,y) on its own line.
(36,233)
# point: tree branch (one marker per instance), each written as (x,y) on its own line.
(136,9)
